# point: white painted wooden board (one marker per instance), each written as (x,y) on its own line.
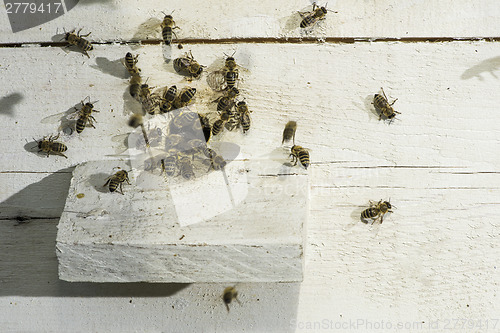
(160,231)
(133,20)
(432,261)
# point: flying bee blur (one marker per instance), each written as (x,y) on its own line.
(243,115)
(301,154)
(130,63)
(289,132)
(135,121)
(229,294)
(49,145)
(382,105)
(168,99)
(79,41)
(186,167)
(309,19)
(376,211)
(135,86)
(185,97)
(117,180)
(187,66)
(85,117)
(168,26)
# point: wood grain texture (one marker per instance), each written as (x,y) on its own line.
(132,20)
(433,259)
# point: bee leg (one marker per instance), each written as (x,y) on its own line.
(86,54)
(121,189)
(83,35)
(63,155)
(107,182)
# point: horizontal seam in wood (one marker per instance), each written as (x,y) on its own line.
(270,40)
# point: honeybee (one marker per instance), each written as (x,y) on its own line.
(184,119)
(382,105)
(217,162)
(301,154)
(169,165)
(168,26)
(168,99)
(117,180)
(186,167)
(226,102)
(79,41)
(243,115)
(229,294)
(187,66)
(135,86)
(148,101)
(185,97)
(218,125)
(376,211)
(130,64)
(205,126)
(289,132)
(48,145)
(85,117)
(311,18)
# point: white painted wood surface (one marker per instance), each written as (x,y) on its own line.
(433,260)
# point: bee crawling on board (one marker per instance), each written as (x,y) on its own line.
(168,26)
(309,19)
(85,117)
(243,114)
(187,66)
(229,294)
(167,101)
(217,162)
(376,211)
(78,40)
(148,100)
(185,97)
(301,154)
(382,105)
(116,181)
(227,77)
(50,146)
(130,64)
(289,132)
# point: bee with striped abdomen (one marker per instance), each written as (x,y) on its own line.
(376,211)
(187,66)
(289,132)
(186,167)
(85,117)
(168,26)
(148,101)
(382,105)
(117,180)
(311,18)
(79,41)
(243,115)
(130,63)
(185,97)
(301,154)
(48,145)
(217,162)
(168,99)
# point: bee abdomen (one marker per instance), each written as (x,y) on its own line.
(245,121)
(113,184)
(59,147)
(80,124)
(369,213)
(217,126)
(168,165)
(167,35)
(84,44)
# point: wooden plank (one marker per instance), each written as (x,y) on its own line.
(126,20)
(330,99)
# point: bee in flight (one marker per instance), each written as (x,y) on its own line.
(131,64)
(376,211)
(85,117)
(301,154)
(382,105)
(79,41)
(168,26)
(49,145)
(309,19)
(187,66)
(229,294)
(289,132)
(117,180)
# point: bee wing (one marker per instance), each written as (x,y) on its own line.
(216,80)
(55,118)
